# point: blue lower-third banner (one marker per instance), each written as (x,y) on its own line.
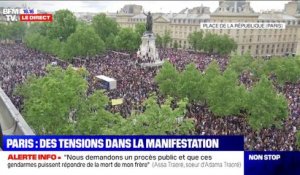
(123,143)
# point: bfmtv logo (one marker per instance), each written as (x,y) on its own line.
(28,11)
(12,14)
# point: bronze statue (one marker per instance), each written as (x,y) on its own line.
(149,22)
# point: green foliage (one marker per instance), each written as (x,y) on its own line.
(258,67)
(168,79)
(94,119)
(262,105)
(58,104)
(140,28)
(240,63)
(105,27)
(50,100)
(224,96)
(212,71)
(38,28)
(286,70)
(225,45)
(4,34)
(17,30)
(166,39)
(209,42)
(265,106)
(43,43)
(158,120)
(127,39)
(192,84)
(13,31)
(84,42)
(159,41)
(110,42)
(175,45)
(195,40)
(163,41)
(221,44)
(63,25)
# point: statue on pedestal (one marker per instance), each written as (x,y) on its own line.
(149,22)
(148,54)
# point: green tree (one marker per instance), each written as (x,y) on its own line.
(286,70)
(240,63)
(140,28)
(168,79)
(225,97)
(110,42)
(210,42)
(94,119)
(38,28)
(16,30)
(265,106)
(105,27)
(175,45)
(158,120)
(258,67)
(127,39)
(225,44)
(192,84)
(63,25)
(84,42)
(48,101)
(159,41)
(212,71)
(4,34)
(195,40)
(221,44)
(58,104)
(166,39)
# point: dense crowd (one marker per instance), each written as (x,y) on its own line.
(135,83)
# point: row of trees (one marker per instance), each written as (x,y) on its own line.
(212,43)
(226,96)
(66,33)
(13,31)
(164,40)
(283,69)
(66,37)
(58,104)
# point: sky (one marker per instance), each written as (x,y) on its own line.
(153,6)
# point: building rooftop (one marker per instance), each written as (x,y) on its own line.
(275,16)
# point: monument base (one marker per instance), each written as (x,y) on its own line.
(148,52)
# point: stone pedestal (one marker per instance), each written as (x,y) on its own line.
(148,52)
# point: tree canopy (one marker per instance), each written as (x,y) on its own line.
(195,40)
(225,97)
(158,120)
(127,39)
(106,28)
(63,25)
(265,106)
(214,43)
(168,79)
(84,42)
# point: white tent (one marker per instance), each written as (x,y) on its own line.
(109,83)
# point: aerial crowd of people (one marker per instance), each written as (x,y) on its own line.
(135,83)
